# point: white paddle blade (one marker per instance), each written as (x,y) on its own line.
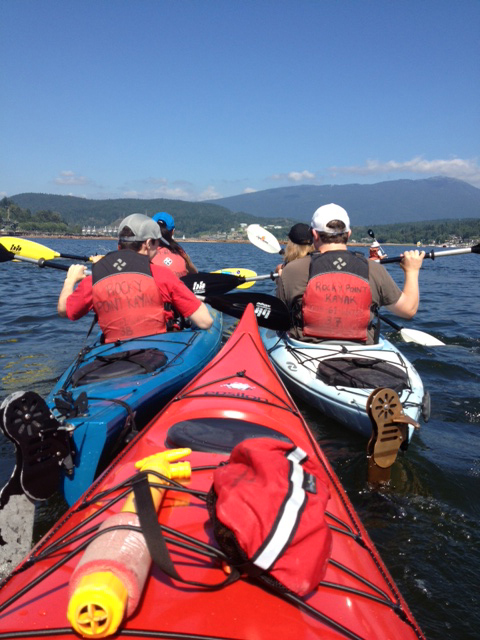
(263,239)
(420,337)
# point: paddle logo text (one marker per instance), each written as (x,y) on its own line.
(263,310)
(15,248)
(199,287)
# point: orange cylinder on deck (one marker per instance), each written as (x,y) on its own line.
(108,582)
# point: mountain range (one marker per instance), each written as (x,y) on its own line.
(386,202)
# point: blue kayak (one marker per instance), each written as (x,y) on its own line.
(109,393)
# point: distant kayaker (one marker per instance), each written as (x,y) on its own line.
(376,252)
(332,293)
(299,244)
(126,291)
(172,256)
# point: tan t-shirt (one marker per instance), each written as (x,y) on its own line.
(293,282)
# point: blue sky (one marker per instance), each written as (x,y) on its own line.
(199,99)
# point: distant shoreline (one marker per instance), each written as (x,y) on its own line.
(180,241)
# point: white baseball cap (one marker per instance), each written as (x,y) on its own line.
(326,214)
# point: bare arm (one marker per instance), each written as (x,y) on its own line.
(407,305)
(201,317)
(75,273)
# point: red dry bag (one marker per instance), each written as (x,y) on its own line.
(268,508)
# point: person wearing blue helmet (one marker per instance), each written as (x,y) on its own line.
(173,256)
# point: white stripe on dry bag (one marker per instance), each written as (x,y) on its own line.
(288,521)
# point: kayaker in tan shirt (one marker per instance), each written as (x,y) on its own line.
(331,313)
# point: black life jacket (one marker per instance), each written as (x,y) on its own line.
(338,299)
(125,297)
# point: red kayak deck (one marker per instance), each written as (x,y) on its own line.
(237,394)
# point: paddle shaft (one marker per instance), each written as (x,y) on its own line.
(432,255)
(393,324)
(72,256)
(222,282)
(267,276)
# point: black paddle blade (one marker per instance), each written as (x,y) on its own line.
(5,254)
(211,284)
(271,312)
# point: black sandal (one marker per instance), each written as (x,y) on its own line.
(41,448)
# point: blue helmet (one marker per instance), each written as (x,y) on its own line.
(166,218)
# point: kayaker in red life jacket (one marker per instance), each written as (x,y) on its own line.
(126,291)
(333,292)
(172,256)
(376,252)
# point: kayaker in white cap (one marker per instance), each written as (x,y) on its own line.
(376,252)
(126,291)
(333,292)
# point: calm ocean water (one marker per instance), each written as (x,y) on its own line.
(427,524)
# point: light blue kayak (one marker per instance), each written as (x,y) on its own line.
(337,378)
(109,393)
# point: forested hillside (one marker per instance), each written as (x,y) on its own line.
(430,232)
(14,219)
(191,218)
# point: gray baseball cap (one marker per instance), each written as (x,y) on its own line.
(143,227)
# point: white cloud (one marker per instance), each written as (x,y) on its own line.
(210,193)
(71,178)
(249,190)
(294,176)
(162,192)
(467,170)
(176,190)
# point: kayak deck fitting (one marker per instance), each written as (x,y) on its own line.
(237,396)
(328,376)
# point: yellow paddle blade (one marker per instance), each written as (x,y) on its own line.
(241,273)
(28,248)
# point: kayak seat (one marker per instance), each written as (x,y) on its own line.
(117,365)
(362,373)
(217,435)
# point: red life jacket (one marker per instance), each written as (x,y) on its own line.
(174,261)
(125,297)
(337,301)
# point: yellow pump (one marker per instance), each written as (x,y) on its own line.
(109,579)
